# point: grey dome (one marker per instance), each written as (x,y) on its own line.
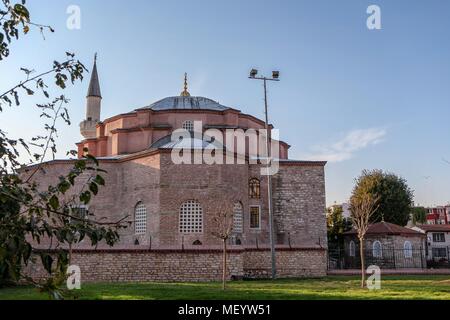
(193,103)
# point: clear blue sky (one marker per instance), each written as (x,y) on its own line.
(359,98)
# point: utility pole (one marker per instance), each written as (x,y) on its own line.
(275,77)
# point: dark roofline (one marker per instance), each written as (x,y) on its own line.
(390,229)
(435,227)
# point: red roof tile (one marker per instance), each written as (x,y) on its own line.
(387,228)
(435,227)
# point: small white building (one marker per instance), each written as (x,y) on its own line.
(438,241)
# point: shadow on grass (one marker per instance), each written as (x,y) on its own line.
(329,288)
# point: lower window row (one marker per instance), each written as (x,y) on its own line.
(191,217)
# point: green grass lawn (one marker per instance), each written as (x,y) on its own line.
(335,287)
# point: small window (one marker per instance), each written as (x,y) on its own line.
(191,217)
(438,237)
(377,250)
(439,252)
(235,240)
(254,188)
(352,248)
(197,243)
(407,249)
(255,218)
(188,125)
(140,219)
(237,218)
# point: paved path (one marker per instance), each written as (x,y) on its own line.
(392,271)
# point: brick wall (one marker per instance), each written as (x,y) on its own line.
(298,193)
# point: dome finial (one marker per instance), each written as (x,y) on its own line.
(185,92)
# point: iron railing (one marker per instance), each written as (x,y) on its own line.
(387,258)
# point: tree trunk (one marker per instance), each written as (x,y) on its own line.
(363,267)
(224,266)
(70,253)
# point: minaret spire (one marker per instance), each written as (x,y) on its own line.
(185,92)
(93,105)
(94,84)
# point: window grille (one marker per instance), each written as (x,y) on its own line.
(191,217)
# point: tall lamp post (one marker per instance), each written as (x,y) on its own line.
(275,77)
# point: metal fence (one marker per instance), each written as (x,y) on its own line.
(387,258)
(438,256)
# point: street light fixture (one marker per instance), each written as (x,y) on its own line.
(275,77)
(253,73)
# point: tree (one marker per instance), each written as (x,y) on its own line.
(337,225)
(9,217)
(222,228)
(362,208)
(28,214)
(395,197)
(419,215)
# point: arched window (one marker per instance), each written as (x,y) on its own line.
(254,188)
(197,243)
(188,125)
(407,249)
(352,248)
(191,217)
(237,218)
(140,219)
(377,250)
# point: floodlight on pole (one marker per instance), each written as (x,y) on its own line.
(275,77)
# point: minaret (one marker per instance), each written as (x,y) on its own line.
(93,105)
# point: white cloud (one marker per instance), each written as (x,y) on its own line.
(345,148)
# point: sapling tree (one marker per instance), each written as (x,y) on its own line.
(362,208)
(222,228)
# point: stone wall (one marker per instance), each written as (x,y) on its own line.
(291,263)
(299,205)
(393,253)
(188,265)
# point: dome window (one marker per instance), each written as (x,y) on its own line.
(188,125)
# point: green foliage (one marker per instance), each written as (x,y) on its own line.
(13,248)
(336,226)
(28,214)
(419,215)
(393,194)
(15,20)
